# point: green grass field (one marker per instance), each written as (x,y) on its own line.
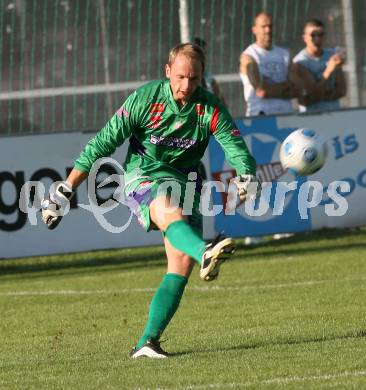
(285,314)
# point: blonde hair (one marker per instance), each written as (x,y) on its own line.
(190,50)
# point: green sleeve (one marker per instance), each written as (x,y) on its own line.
(112,135)
(236,151)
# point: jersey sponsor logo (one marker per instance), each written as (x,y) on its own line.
(200,109)
(156,115)
(182,143)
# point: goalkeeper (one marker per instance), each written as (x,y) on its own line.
(168,124)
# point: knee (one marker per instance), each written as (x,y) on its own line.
(163,213)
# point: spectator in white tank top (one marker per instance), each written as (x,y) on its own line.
(269,80)
(266,72)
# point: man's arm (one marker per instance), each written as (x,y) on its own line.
(55,206)
(76,177)
(340,89)
(236,151)
(112,135)
(316,91)
(263,89)
(117,129)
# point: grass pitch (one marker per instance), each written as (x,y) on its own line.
(287,314)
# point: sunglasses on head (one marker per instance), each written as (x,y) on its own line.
(317,34)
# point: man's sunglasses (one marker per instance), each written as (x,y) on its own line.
(315,34)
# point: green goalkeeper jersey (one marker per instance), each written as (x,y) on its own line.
(167,141)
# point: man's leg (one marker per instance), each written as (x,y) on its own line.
(165,301)
(152,210)
(179,233)
(167,298)
(186,239)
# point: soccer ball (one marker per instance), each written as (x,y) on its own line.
(303,152)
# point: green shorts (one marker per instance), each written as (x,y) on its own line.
(141,193)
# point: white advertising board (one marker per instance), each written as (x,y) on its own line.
(49,157)
(345,135)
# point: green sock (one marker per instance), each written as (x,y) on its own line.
(183,237)
(163,306)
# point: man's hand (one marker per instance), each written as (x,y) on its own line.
(248,187)
(335,61)
(56,204)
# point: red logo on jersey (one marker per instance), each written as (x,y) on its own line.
(155,118)
(156,115)
(235,132)
(200,109)
(157,107)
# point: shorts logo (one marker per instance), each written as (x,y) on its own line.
(145,184)
(200,109)
(235,132)
(156,115)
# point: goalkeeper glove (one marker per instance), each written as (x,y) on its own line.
(249,187)
(55,206)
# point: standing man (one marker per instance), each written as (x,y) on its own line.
(266,72)
(321,71)
(168,124)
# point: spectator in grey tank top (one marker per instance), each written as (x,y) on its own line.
(320,69)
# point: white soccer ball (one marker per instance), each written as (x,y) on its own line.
(303,152)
